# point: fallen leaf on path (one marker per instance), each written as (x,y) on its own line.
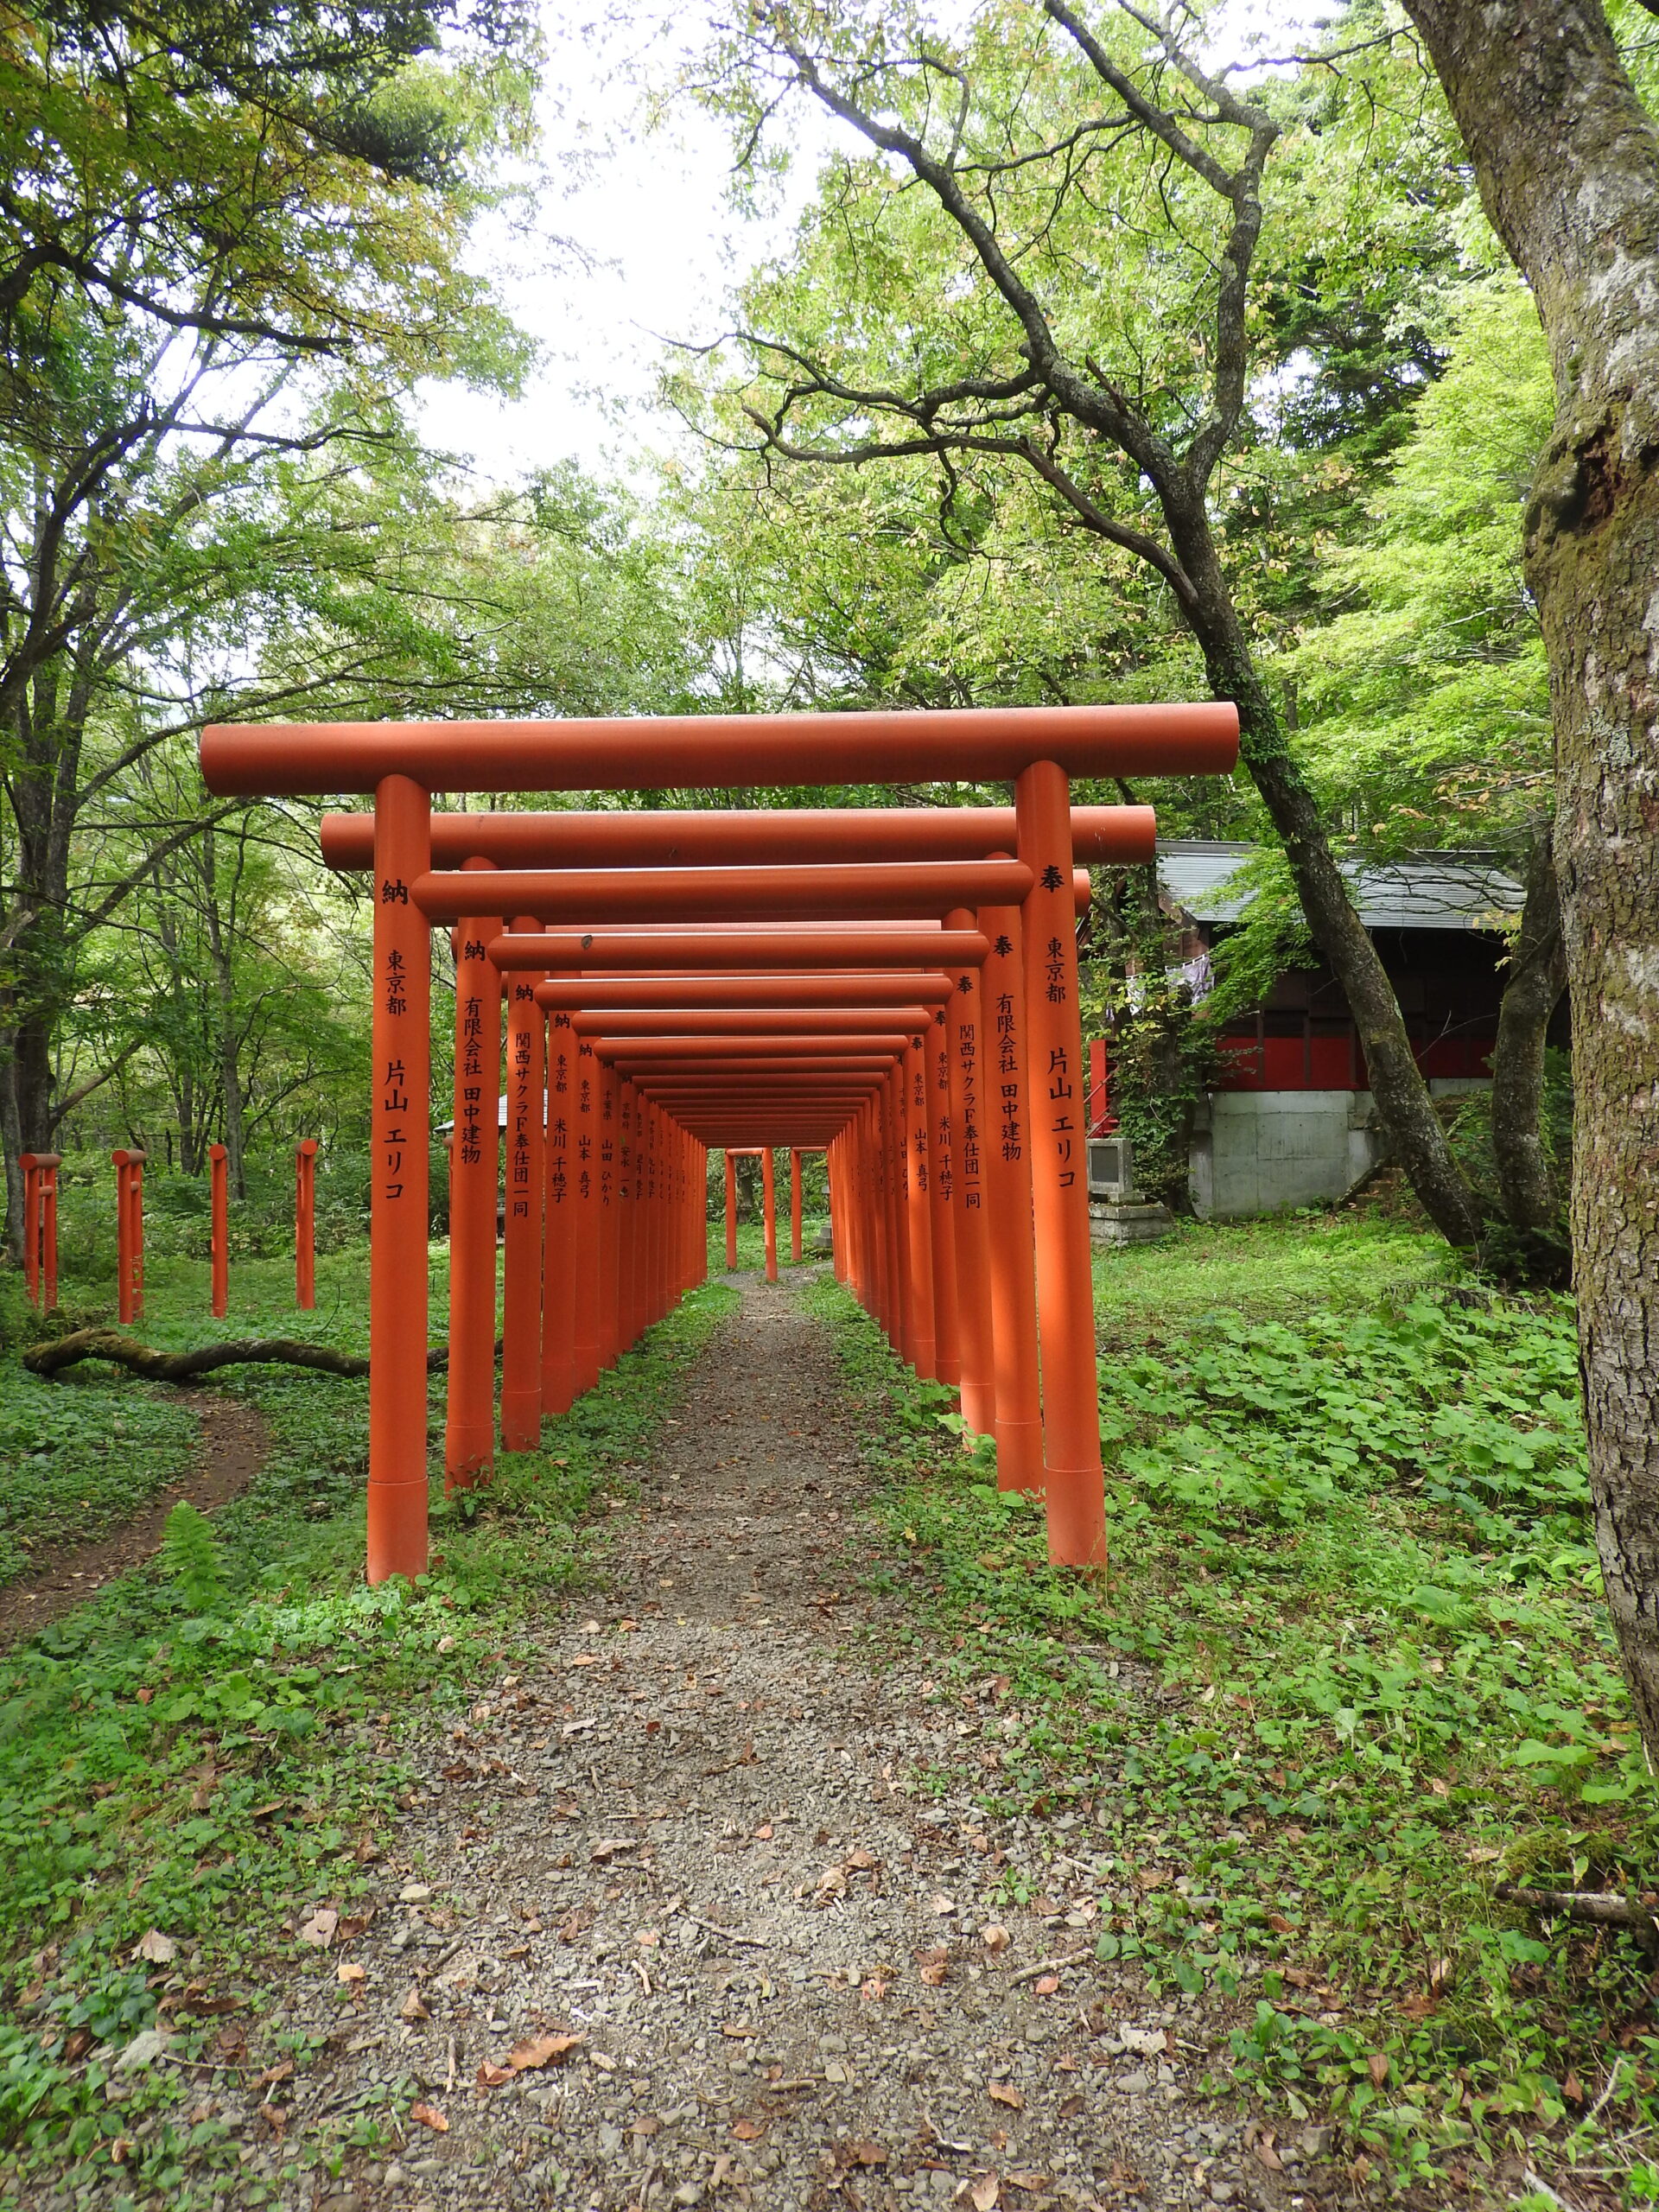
(864,2154)
(491,2077)
(429,2116)
(984,2193)
(1018,2178)
(763,1833)
(413,2008)
(935,1965)
(735,2028)
(1003,2093)
(1278,1924)
(347,1973)
(994,1937)
(159,1949)
(543,2051)
(1265,2153)
(1377,2067)
(748,2131)
(875,1987)
(1069,2109)
(941,1905)
(1046,1984)
(282,2071)
(319,1930)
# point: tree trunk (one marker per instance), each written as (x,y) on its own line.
(1415,1133)
(230,1076)
(1526,1180)
(1568,160)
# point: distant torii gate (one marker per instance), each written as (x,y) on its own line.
(1037,748)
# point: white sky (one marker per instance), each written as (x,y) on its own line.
(661,248)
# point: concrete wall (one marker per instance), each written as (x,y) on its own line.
(1266,1151)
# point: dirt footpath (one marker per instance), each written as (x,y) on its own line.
(688,1831)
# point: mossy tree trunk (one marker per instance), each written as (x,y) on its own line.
(1568,160)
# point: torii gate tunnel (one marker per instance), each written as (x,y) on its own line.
(896,987)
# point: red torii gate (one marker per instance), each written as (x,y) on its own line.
(402,764)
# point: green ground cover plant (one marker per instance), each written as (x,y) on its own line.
(1349,1671)
(210,1749)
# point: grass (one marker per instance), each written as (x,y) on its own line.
(210,1748)
(1352,1575)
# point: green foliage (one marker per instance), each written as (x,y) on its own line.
(1349,1669)
(1424,692)
(79,1457)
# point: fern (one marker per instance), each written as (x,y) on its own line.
(191,1560)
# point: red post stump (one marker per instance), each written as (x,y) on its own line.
(41,1226)
(219,1198)
(398,1214)
(129,1234)
(305,1224)
(1066,1300)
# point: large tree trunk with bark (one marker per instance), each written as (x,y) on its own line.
(1568,160)
(1415,1133)
(1525,1175)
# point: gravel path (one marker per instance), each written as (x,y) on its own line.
(685,1830)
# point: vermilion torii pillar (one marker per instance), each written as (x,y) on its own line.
(403,763)
(475,1158)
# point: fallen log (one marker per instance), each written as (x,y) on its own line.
(1592,1908)
(48,1360)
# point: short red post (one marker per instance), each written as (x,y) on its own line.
(40,1225)
(1066,1300)
(47,1165)
(129,1234)
(731,1214)
(794,1205)
(769,1202)
(29,1162)
(402,1050)
(219,1188)
(305,1224)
